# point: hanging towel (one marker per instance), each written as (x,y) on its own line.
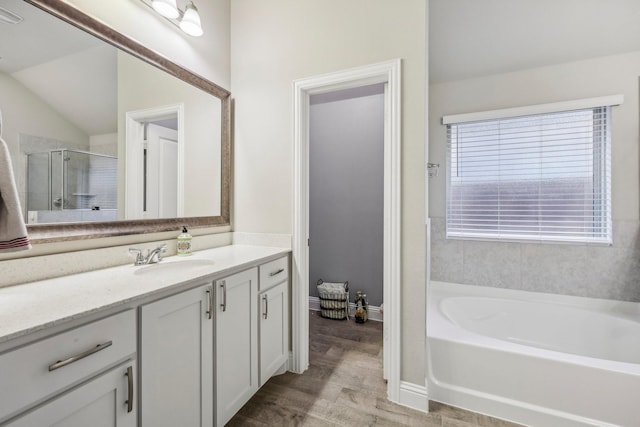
(13,232)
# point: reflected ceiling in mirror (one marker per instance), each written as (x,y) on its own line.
(73,107)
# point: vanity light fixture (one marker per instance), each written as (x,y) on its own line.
(190,22)
(166,8)
(187,20)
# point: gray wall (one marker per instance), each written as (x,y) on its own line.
(346,190)
(611,272)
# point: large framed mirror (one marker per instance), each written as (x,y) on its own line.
(107,137)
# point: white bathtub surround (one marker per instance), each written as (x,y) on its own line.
(609,272)
(534,358)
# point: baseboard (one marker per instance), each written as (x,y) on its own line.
(374,313)
(414,396)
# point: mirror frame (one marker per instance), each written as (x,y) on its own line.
(59,232)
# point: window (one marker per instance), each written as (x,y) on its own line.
(543,176)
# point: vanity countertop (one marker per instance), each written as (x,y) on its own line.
(31,307)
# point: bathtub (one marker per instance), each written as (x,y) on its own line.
(533,358)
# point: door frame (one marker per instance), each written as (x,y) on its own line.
(134,144)
(388,72)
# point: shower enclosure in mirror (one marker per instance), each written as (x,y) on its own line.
(67,185)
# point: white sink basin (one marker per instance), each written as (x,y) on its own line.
(174,265)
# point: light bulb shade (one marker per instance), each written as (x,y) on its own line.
(166,8)
(190,22)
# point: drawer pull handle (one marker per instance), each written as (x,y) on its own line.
(266,306)
(210,298)
(61,363)
(129,401)
(223,285)
(275,273)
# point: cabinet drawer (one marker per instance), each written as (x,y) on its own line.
(35,372)
(274,272)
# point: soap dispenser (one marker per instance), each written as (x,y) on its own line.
(184,242)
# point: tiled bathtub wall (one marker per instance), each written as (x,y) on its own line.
(611,272)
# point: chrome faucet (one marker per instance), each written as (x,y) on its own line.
(150,255)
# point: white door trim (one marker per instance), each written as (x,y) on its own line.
(134,140)
(386,72)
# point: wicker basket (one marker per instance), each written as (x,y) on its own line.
(334,299)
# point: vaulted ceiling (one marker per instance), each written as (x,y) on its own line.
(73,72)
(469,38)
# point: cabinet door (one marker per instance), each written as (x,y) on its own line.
(274,331)
(176,357)
(101,402)
(236,343)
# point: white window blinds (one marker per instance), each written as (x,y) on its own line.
(542,177)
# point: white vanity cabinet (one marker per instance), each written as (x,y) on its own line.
(200,341)
(236,348)
(273,317)
(176,356)
(83,376)
(252,334)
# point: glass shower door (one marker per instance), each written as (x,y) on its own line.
(57,180)
(76,180)
(39,187)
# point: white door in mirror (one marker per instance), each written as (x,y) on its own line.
(161,172)
(154,169)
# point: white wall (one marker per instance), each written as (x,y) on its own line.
(276,42)
(596,271)
(84,89)
(106,143)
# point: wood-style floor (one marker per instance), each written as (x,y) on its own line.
(344,387)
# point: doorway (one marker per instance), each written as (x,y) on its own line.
(346,193)
(389,74)
(154,168)
(160,170)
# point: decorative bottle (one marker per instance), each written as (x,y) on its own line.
(361,315)
(184,242)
